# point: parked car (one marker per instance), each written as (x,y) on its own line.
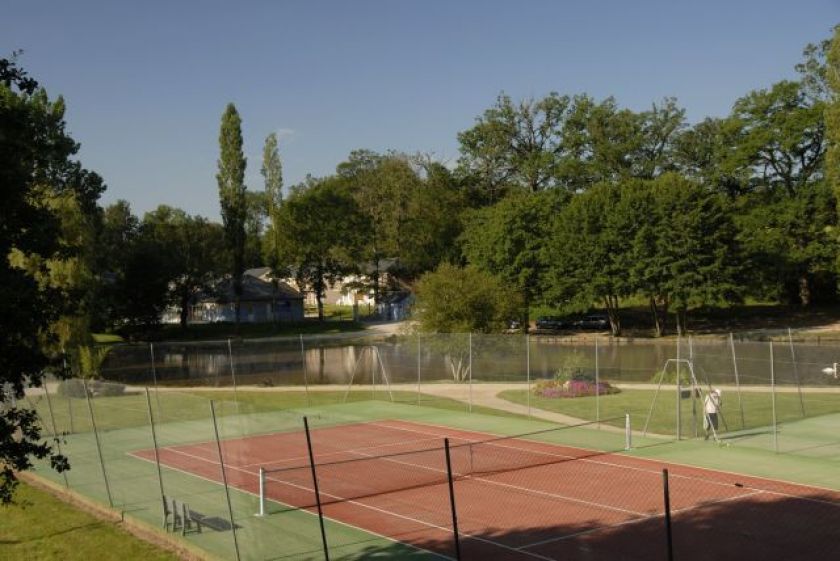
(550,323)
(594,322)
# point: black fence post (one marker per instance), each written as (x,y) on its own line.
(452,500)
(667,493)
(317,493)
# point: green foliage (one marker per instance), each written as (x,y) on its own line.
(190,252)
(47,216)
(464,300)
(319,234)
(272,172)
(832,118)
(508,239)
(232,198)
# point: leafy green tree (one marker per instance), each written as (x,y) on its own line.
(432,224)
(256,223)
(232,197)
(790,244)
(588,253)
(516,144)
(383,187)
(781,136)
(693,260)
(459,300)
(49,210)
(508,240)
(193,251)
(832,116)
(320,234)
(706,153)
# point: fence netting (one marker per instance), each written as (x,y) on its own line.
(205,440)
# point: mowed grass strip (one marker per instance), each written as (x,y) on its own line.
(40,526)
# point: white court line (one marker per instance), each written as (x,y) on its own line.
(377,509)
(339,452)
(634,468)
(363,530)
(511,486)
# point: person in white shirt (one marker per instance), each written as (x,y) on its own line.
(711,408)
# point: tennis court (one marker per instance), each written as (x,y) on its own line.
(521,497)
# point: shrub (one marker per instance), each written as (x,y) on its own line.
(572,388)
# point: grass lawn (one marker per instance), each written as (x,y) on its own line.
(40,526)
(758,408)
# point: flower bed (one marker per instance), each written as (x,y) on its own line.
(553,389)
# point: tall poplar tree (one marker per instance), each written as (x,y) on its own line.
(832,114)
(272,172)
(231,180)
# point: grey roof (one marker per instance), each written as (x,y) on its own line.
(253,290)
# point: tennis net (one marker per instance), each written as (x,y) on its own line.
(354,474)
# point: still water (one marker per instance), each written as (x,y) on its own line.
(492,358)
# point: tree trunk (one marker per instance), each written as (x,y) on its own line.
(657,324)
(611,303)
(681,321)
(804,291)
(319,294)
(184,315)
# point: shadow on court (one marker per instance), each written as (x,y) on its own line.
(764,525)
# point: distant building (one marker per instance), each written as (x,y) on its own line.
(263,300)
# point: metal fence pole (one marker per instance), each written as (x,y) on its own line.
(597,387)
(305,376)
(773,399)
(157,453)
(233,373)
(315,486)
(470,380)
(224,477)
(737,378)
(693,386)
(679,390)
(98,445)
(528,370)
(452,500)
(418,368)
(796,372)
(667,495)
(54,429)
(154,368)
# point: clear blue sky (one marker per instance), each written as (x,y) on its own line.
(146,82)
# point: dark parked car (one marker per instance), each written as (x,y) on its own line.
(550,322)
(594,321)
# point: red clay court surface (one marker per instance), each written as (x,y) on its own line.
(597,507)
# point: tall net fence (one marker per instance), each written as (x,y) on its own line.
(199,439)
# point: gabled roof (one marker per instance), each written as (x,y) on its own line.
(254,289)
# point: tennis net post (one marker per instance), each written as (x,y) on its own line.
(262,492)
(628,433)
